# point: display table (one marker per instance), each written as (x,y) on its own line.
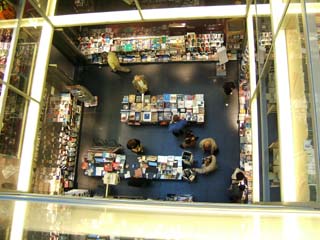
(159,109)
(154,167)
(100,160)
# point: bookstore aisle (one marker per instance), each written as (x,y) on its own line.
(103,123)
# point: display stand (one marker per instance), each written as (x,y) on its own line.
(82,94)
(146,109)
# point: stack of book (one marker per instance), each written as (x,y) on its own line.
(159,109)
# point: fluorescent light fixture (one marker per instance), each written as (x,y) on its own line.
(177,25)
(225,11)
(12,23)
(260,9)
(254,111)
(287,160)
(95,18)
(19,212)
(28,147)
(42,61)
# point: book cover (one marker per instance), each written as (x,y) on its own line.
(188,97)
(188,116)
(137,116)
(160,98)
(132,98)
(146,116)
(125,106)
(138,107)
(188,103)
(181,104)
(167,115)
(173,98)
(195,109)
(154,117)
(174,111)
(194,117)
(199,97)
(180,97)
(131,116)
(146,107)
(166,97)
(124,116)
(182,115)
(160,116)
(147,98)
(201,110)
(200,118)
(154,107)
(153,99)
(160,106)
(182,110)
(125,99)
(173,105)
(138,99)
(167,106)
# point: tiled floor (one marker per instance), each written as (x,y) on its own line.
(187,78)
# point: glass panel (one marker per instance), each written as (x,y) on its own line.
(313,29)
(301,109)
(10,140)
(24,58)
(263,39)
(86,6)
(31,12)
(5,40)
(118,220)
(8,9)
(12,124)
(150,4)
(90,6)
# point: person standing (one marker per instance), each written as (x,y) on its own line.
(140,84)
(208,145)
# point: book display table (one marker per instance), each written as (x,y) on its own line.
(98,161)
(155,167)
(159,109)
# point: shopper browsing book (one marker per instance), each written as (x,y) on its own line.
(177,125)
(135,145)
(209,164)
(190,140)
(140,84)
(208,145)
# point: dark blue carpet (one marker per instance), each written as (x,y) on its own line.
(103,122)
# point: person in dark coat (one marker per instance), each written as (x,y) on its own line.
(177,125)
(135,145)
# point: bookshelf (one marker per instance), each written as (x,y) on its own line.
(244,120)
(58,145)
(159,109)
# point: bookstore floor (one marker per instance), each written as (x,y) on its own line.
(103,122)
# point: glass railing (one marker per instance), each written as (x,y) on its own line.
(38,217)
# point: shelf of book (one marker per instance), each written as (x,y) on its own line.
(244,120)
(58,148)
(159,109)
